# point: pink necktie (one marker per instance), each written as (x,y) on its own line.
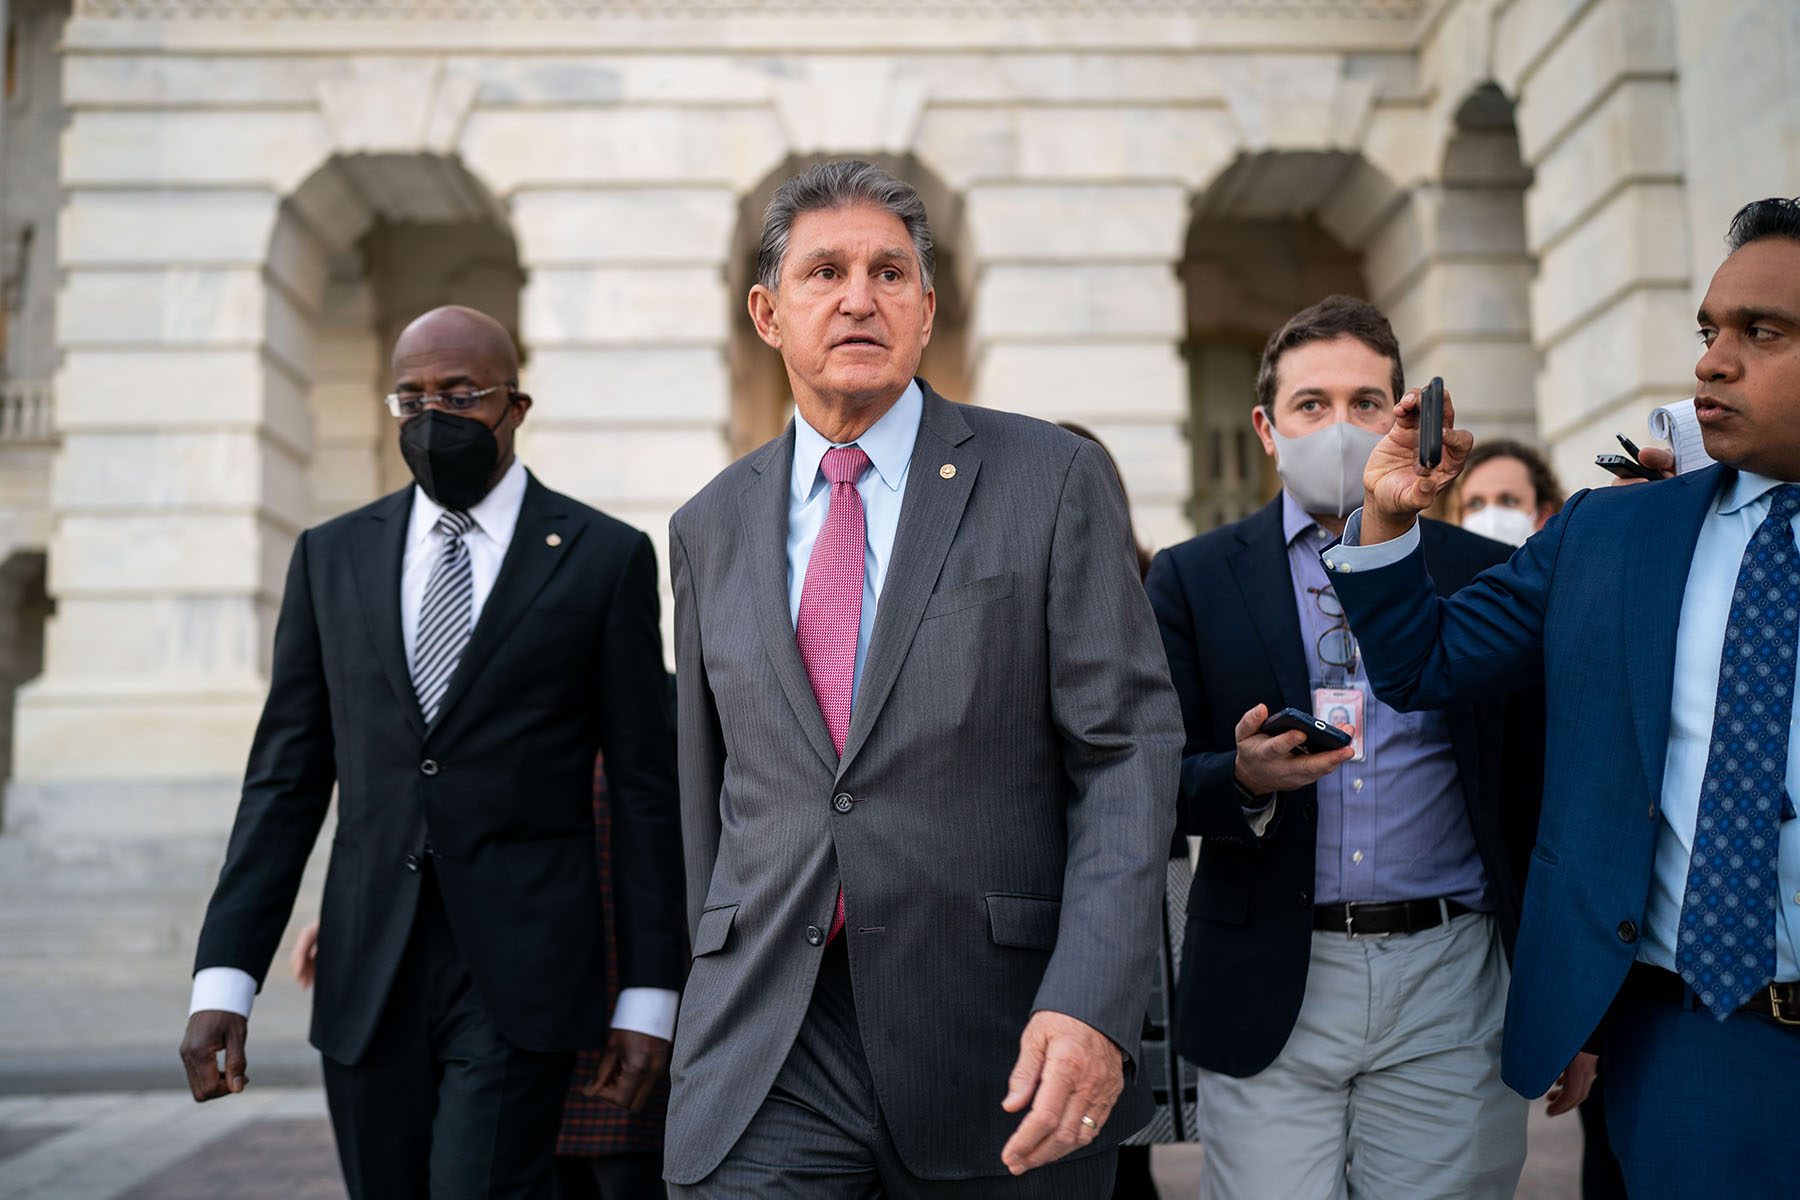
(831,605)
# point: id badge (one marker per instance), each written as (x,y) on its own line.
(1342,707)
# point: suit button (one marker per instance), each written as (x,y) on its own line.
(412,862)
(428,767)
(1627,932)
(842,801)
(815,936)
(1310,812)
(1305,899)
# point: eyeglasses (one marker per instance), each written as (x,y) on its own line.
(411,404)
(1336,647)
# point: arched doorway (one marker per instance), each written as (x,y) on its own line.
(24,608)
(1445,258)
(761,401)
(1256,253)
(395,235)
(1474,324)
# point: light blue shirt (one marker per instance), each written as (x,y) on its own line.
(1394,826)
(1742,505)
(889,445)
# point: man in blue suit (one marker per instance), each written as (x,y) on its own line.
(1662,913)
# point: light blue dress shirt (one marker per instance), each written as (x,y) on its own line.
(1394,826)
(1742,505)
(889,445)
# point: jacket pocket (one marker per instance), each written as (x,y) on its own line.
(1023,922)
(714,930)
(969,595)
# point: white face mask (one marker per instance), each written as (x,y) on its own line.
(1324,469)
(1510,525)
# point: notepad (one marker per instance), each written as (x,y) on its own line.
(1677,425)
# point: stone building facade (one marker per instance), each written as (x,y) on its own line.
(217,213)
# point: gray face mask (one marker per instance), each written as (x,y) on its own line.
(1324,469)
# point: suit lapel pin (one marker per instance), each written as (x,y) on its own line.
(554,539)
(947,471)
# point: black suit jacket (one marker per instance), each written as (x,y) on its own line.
(565,660)
(1225,604)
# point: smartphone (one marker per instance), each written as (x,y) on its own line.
(1320,737)
(1431,423)
(1625,467)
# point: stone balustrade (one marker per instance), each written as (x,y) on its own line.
(25,411)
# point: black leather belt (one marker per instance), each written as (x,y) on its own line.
(1399,916)
(1779,1002)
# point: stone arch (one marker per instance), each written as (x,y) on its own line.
(1438,244)
(367,242)
(1472,316)
(761,402)
(1271,233)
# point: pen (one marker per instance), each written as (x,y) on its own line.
(1629,448)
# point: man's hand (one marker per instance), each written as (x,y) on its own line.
(208,1032)
(306,954)
(1074,1071)
(1657,459)
(1396,489)
(1266,764)
(630,1067)
(1573,1085)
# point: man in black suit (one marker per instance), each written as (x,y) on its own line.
(1344,979)
(452,657)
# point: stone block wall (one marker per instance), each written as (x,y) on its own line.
(1514,180)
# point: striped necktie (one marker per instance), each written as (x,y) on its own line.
(444,615)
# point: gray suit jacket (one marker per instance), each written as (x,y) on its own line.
(1001,815)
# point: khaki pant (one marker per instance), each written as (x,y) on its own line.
(1389,1087)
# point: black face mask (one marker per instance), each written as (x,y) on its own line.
(453,458)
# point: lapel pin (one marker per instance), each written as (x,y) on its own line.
(947,471)
(554,539)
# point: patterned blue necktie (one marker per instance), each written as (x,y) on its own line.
(1725,950)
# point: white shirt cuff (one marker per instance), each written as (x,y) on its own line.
(1259,818)
(225,989)
(1349,555)
(647,1010)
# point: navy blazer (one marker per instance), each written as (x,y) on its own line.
(1231,628)
(1589,607)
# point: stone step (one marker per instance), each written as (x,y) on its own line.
(97,941)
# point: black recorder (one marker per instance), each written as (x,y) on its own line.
(1320,737)
(1626,465)
(1431,424)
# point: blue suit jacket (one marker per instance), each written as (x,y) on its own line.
(1588,607)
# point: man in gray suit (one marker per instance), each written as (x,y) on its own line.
(928,761)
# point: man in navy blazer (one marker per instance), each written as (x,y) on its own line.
(1662,915)
(1385,876)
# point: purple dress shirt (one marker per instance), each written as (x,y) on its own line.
(1396,825)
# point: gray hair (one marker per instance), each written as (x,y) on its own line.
(843,183)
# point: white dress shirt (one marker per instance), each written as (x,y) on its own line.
(1742,505)
(642,1010)
(889,445)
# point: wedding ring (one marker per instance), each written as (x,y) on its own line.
(1090,1123)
